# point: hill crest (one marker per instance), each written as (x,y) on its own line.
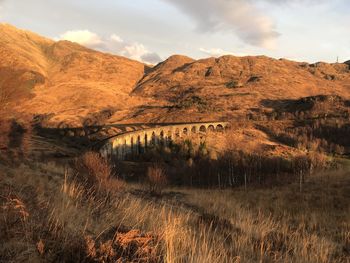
(70,82)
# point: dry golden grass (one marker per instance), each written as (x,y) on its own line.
(54,218)
(206,84)
(55,214)
(281,225)
(156,178)
(95,173)
(67,79)
(71,82)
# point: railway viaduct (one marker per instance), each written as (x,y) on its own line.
(137,142)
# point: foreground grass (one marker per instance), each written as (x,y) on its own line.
(283,225)
(48,216)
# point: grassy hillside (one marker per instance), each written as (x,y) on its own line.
(231,86)
(67,83)
(272,188)
(47,215)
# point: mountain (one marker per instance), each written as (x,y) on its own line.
(64,78)
(74,85)
(237,85)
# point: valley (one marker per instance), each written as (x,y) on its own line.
(228,159)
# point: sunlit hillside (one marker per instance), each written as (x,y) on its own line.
(106,156)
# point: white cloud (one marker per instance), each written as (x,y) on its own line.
(116,38)
(218,52)
(151,58)
(1,7)
(215,52)
(83,37)
(114,44)
(242,17)
(139,52)
(134,51)
(294,1)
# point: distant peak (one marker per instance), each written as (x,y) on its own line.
(11,27)
(5,24)
(174,61)
(179,58)
(8,30)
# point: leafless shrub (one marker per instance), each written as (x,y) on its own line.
(14,218)
(5,127)
(15,138)
(131,246)
(94,172)
(157,179)
(230,226)
(40,246)
(15,210)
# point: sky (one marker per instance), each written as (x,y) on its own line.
(152,30)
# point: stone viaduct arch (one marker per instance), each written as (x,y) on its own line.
(137,142)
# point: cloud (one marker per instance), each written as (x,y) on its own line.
(113,44)
(139,52)
(1,7)
(116,38)
(294,1)
(83,37)
(151,58)
(242,17)
(215,52)
(134,51)
(218,52)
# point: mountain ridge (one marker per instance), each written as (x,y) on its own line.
(70,82)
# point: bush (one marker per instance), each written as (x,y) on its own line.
(201,104)
(94,172)
(157,179)
(254,78)
(234,84)
(15,138)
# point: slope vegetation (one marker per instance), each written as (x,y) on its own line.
(226,86)
(65,79)
(69,83)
